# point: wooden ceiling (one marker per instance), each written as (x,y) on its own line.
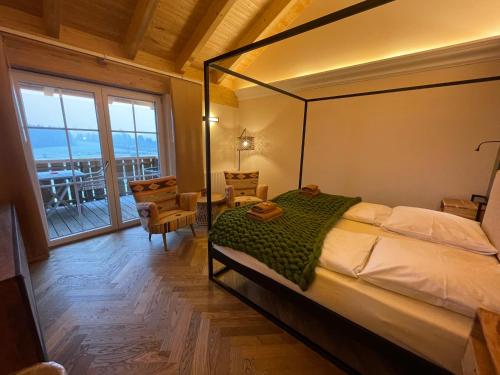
(172,35)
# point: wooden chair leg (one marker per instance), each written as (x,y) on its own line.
(164,235)
(192,230)
(150,237)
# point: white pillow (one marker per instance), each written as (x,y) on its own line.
(440,227)
(346,252)
(437,274)
(369,213)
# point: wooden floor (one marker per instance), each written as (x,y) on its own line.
(66,221)
(118,304)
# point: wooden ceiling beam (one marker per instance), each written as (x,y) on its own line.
(206,27)
(139,24)
(52,17)
(264,21)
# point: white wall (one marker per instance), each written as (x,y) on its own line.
(409,148)
(277,126)
(223,137)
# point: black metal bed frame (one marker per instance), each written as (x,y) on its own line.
(402,359)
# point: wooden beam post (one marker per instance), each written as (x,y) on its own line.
(52,17)
(139,24)
(264,21)
(206,27)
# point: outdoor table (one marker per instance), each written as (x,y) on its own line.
(61,188)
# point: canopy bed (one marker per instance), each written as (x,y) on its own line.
(415,331)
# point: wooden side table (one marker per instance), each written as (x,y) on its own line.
(482,355)
(218,202)
(460,207)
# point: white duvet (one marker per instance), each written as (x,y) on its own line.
(438,274)
(444,276)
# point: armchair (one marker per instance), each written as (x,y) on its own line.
(243,188)
(161,209)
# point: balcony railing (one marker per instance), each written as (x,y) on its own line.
(128,169)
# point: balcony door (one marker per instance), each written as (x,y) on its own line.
(135,143)
(87,141)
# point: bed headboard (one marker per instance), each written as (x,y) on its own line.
(491,221)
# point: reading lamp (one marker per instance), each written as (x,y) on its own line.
(497,163)
(482,143)
(245,143)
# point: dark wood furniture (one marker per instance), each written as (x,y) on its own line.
(21,343)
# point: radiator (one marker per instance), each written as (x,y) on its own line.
(218,182)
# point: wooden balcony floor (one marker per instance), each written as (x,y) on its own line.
(66,221)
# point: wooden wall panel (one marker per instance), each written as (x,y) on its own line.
(43,58)
(36,56)
(16,185)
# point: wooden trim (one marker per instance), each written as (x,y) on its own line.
(139,24)
(39,57)
(52,17)
(10,33)
(48,56)
(215,14)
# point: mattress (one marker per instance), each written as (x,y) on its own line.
(432,332)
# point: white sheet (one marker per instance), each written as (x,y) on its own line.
(432,332)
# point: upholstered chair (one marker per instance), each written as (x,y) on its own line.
(161,209)
(243,188)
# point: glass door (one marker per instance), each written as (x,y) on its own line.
(134,131)
(87,142)
(69,150)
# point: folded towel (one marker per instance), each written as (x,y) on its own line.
(277,212)
(310,188)
(264,207)
(310,193)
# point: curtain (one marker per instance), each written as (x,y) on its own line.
(187,114)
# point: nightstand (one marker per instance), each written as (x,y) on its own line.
(470,209)
(482,355)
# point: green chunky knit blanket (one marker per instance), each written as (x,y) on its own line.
(291,245)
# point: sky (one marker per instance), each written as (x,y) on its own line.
(45,117)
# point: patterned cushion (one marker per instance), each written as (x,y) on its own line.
(162,191)
(244,183)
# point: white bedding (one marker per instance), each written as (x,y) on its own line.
(456,279)
(439,227)
(346,252)
(433,332)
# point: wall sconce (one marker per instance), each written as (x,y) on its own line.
(245,143)
(496,166)
(482,143)
(212,119)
